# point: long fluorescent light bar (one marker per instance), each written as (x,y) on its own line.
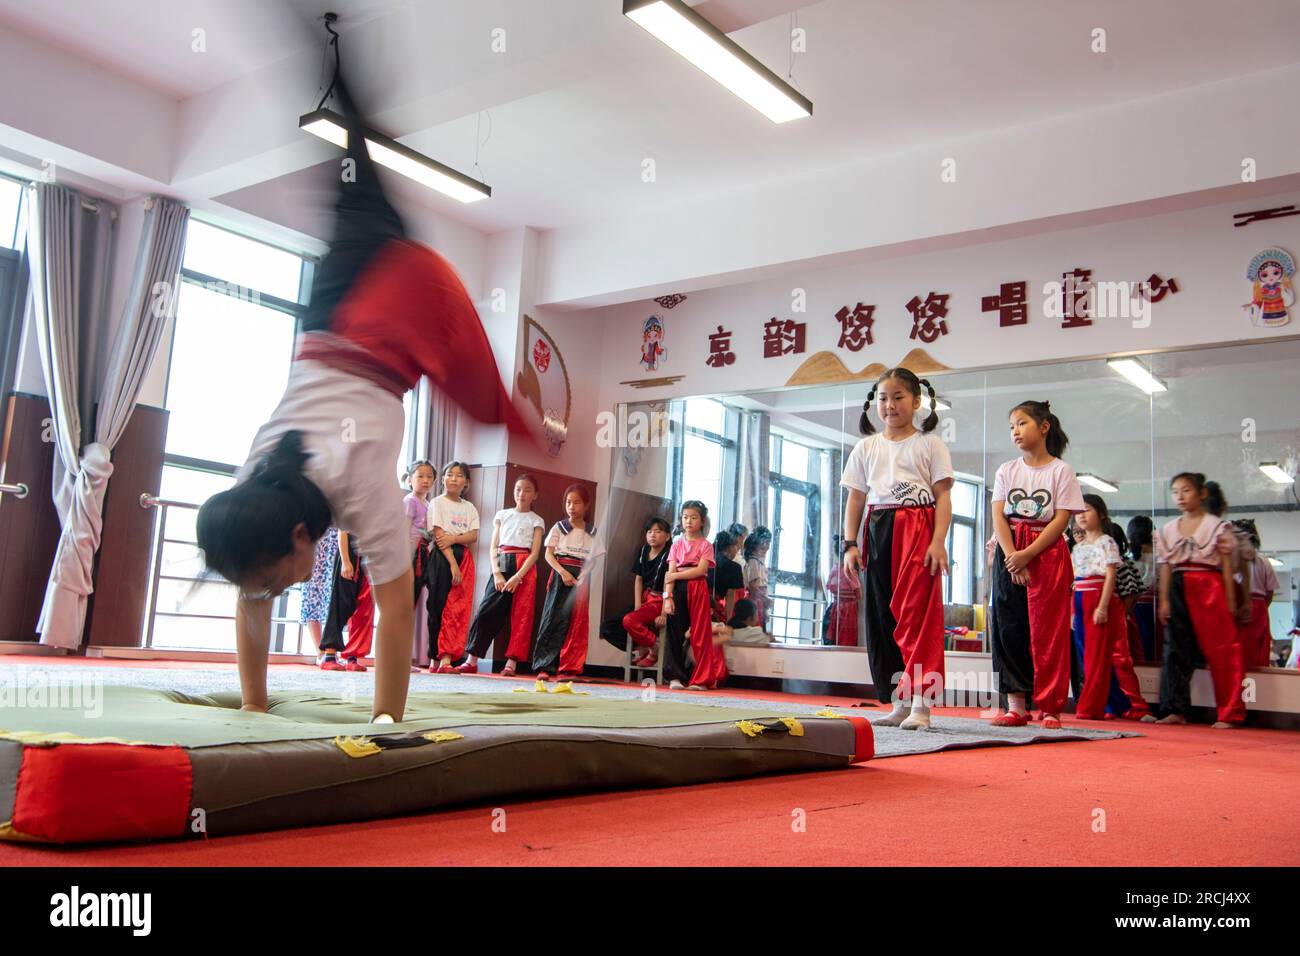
(388,152)
(1101,484)
(699,41)
(1276,563)
(1273,470)
(1138,374)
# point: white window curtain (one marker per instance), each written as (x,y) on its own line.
(754,449)
(443,415)
(69,249)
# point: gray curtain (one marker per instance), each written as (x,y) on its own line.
(754,447)
(442,428)
(69,253)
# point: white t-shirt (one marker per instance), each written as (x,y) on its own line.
(349,427)
(453,517)
(1093,560)
(515,528)
(1037,492)
(572,542)
(898,472)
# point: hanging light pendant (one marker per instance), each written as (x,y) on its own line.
(695,38)
(384,150)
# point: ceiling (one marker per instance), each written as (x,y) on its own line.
(584,96)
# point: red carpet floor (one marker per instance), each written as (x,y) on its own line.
(1177,796)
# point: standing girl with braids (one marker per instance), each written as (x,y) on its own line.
(1196,557)
(902,477)
(1033,578)
(689,605)
(420,478)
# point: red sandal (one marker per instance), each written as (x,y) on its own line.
(1010,719)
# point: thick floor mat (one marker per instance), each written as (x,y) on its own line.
(147,764)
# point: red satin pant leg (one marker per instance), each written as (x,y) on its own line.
(1121,661)
(456,612)
(710,662)
(1098,650)
(1256,638)
(523,607)
(1216,633)
(639,623)
(573,655)
(917,606)
(1049,592)
(361,625)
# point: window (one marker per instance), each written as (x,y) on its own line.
(704,457)
(236,319)
(794,507)
(11,197)
(965,548)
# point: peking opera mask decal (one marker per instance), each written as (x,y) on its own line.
(543,381)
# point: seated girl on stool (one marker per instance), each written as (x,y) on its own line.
(570,548)
(510,596)
(642,623)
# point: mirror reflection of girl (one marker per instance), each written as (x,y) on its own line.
(420,478)
(1033,498)
(689,605)
(902,478)
(1097,622)
(728,574)
(316,593)
(1141,542)
(757,545)
(510,597)
(1195,555)
(453,521)
(742,627)
(571,547)
(1261,584)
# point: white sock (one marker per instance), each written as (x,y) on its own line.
(919,719)
(895,717)
(1016,703)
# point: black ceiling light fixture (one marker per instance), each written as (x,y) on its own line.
(695,38)
(384,150)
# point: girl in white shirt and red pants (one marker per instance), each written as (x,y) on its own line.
(903,477)
(1033,579)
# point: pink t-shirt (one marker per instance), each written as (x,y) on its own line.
(417,510)
(1037,493)
(1212,537)
(686,552)
(1263,579)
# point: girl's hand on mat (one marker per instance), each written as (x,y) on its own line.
(254,708)
(853,560)
(936,559)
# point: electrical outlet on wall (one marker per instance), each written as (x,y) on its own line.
(778,665)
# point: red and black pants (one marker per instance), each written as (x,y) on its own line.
(499,609)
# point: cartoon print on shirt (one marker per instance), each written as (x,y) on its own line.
(1026,505)
(911,494)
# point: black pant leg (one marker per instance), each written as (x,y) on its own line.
(493,615)
(1180,654)
(612,630)
(555,625)
(343,601)
(675,641)
(882,649)
(1013,659)
(438,579)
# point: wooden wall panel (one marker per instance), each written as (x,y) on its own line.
(29,527)
(117,609)
(628,513)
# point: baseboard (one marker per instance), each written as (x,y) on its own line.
(32,648)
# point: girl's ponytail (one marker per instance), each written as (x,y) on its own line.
(931,420)
(864,423)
